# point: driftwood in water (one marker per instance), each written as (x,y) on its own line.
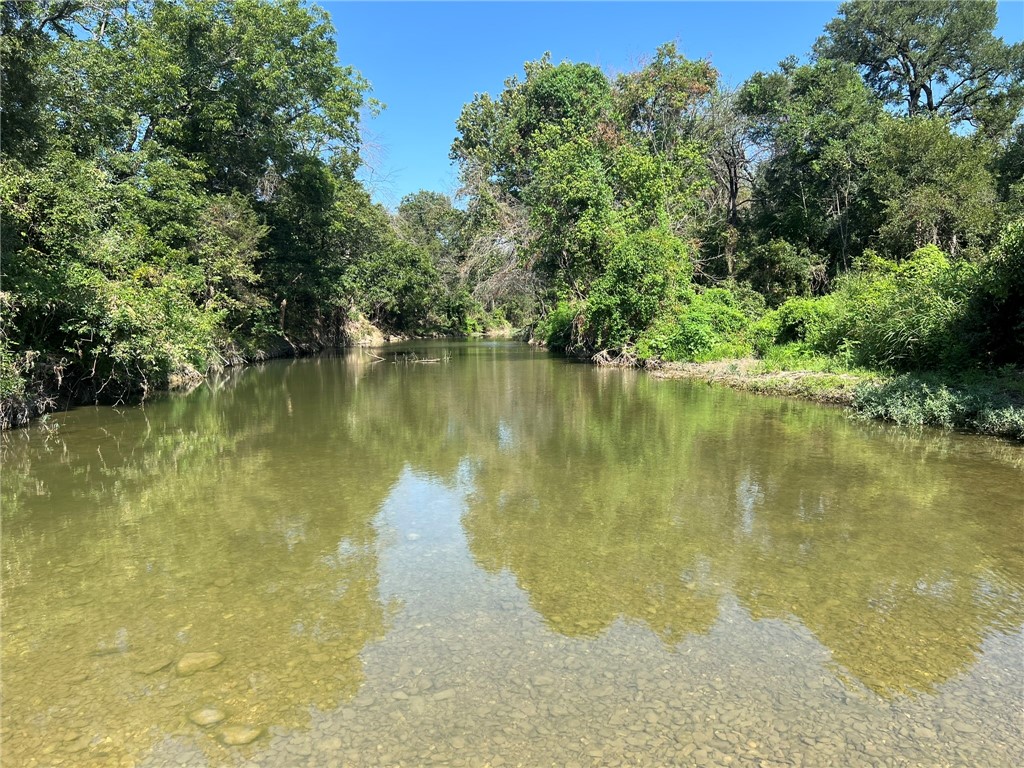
(622,359)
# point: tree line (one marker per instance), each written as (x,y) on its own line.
(178,191)
(865,204)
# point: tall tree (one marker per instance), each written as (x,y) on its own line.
(504,135)
(178,179)
(931,187)
(245,87)
(431,221)
(29,31)
(934,56)
(661,102)
(816,125)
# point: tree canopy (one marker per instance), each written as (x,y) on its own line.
(933,56)
(178,191)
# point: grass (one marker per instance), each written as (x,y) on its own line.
(819,380)
(988,403)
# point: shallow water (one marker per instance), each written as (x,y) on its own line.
(507,559)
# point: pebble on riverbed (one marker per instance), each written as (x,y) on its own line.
(154,666)
(207,716)
(191,663)
(239,735)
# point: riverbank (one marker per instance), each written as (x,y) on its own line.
(984,403)
(42,384)
(35,384)
(753,375)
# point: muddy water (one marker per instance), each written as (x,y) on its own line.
(505,559)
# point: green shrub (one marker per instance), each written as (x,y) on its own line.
(810,320)
(12,384)
(478,321)
(746,299)
(559,328)
(906,316)
(705,326)
(922,400)
(779,269)
(819,324)
(133,334)
(996,313)
(764,332)
(639,276)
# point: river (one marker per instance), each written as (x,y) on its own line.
(505,558)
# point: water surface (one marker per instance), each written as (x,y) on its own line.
(503,558)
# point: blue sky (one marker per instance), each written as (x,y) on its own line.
(426,59)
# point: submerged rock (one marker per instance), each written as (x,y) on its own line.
(154,666)
(77,745)
(191,663)
(237,735)
(207,716)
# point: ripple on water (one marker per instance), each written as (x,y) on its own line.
(506,560)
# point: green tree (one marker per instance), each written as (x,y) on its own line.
(817,126)
(1009,172)
(174,171)
(660,103)
(430,221)
(611,179)
(245,87)
(571,204)
(998,304)
(932,187)
(25,40)
(934,56)
(643,272)
(504,136)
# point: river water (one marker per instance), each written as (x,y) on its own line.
(504,558)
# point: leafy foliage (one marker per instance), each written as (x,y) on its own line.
(665,215)
(932,186)
(178,190)
(642,273)
(997,305)
(920,400)
(906,316)
(818,125)
(177,185)
(934,56)
(703,326)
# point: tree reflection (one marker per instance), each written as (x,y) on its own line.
(645,501)
(237,520)
(242,519)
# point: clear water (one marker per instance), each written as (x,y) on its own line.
(503,558)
